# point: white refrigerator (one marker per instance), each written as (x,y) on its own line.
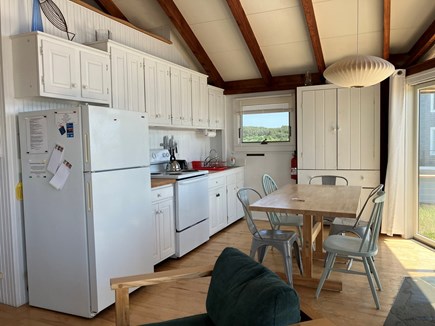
(87,204)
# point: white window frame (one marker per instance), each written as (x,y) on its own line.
(264,104)
(432,141)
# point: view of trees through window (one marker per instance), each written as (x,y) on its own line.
(268,127)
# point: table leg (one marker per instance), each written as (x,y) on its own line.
(318,254)
(307,251)
(308,255)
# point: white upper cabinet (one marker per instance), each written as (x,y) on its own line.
(216,108)
(157,92)
(338,128)
(199,101)
(46,65)
(181,97)
(127,75)
(358,123)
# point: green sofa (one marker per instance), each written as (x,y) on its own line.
(241,292)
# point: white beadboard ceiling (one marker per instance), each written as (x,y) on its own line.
(281,30)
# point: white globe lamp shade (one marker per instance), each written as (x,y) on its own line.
(358,71)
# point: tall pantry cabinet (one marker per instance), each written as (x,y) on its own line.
(339,134)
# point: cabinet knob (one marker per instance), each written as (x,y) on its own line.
(74,85)
(159,195)
(85,86)
(218,195)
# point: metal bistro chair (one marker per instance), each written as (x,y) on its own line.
(262,238)
(342,225)
(282,219)
(329,180)
(359,249)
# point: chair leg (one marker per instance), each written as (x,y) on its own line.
(369,278)
(330,258)
(298,257)
(262,250)
(301,237)
(287,256)
(375,272)
(254,247)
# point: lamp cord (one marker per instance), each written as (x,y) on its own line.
(357,27)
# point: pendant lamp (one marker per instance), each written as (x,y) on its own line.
(358,70)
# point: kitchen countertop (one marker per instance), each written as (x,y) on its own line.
(161,182)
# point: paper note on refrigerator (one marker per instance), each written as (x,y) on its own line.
(61,175)
(55,159)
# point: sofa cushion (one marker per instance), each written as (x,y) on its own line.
(244,292)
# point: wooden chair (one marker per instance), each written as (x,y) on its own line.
(236,283)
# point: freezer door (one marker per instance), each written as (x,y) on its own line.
(120,229)
(114,139)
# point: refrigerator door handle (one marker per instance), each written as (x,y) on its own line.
(88,196)
(87,145)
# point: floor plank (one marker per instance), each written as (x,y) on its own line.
(354,306)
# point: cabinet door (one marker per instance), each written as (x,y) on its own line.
(199,101)
(60,69)
(186,98)
(220,111)
(166,229)
(240,183)
(358,126)
(135,82)
(156,227)
(218,209)
(317,130)
(232,201)
(119,78)
(176,105)
(95,76)
(163,94)
(216,108)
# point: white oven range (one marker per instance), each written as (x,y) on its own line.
(191,202)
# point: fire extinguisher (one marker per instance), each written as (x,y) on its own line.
(294,167)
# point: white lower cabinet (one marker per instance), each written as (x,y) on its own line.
(225,208)
(235,181)
(164,223)
(217,200)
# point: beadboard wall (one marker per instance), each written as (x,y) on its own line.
(16,16)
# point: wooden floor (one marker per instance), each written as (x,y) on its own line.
(353,306)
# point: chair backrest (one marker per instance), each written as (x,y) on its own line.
(243,195)
(269,185)
(330,180)
(370,196)
(370,242)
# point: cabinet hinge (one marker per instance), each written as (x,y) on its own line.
(107,90)
(107,67)
(42,80)
(41,51)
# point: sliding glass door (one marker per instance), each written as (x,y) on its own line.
(425,231)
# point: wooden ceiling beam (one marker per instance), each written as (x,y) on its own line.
(277,84)
(387,30)
(310,18)
(192,42)
(112,9)
(249,36)
(419,67)
(423,44)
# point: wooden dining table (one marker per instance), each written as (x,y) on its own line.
(313,202)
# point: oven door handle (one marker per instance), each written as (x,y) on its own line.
(192,179)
